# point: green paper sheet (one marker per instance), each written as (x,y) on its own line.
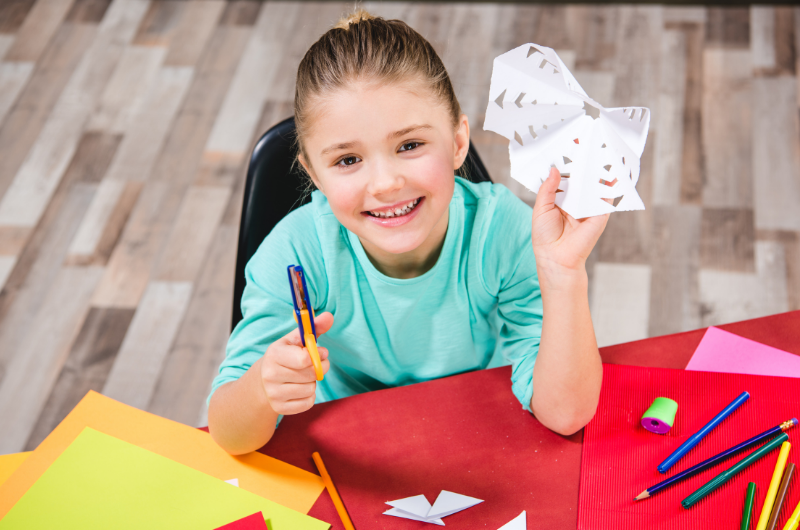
(101,482)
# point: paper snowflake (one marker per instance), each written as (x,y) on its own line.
(537,104)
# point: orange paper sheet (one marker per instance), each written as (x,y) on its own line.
(272,479)
(10,463)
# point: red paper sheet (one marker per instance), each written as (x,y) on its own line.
(620,457)
(251,522)
(467,434)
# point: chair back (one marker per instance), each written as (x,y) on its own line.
(276,185)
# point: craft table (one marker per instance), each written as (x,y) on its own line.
(468,434)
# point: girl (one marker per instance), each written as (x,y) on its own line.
(413,273)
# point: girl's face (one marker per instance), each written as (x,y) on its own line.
(384,156)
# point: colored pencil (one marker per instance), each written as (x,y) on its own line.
(729,473)
(747,514)
(794,519)
(776,509)
(699,435)
(337,501)
(716,459)
(774,484)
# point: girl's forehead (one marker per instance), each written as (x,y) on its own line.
(371,110)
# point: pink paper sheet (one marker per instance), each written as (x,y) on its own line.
(720,351)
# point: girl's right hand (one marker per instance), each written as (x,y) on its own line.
(287,372)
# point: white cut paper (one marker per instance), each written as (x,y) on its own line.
(234,481)
(517,523)
(448,503)
(418,508)
(550,121)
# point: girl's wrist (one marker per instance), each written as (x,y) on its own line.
(557,277)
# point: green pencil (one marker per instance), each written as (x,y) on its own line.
(747,514)
(728,474)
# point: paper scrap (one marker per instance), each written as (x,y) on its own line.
(234,481)
(102,482)
(517,523)
(260,474)
(448,503)
(721,351)
(251,522)
(10,463)
(550,121)
(418,508)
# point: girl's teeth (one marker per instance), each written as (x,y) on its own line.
(397,211)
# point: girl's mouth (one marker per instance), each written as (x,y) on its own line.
(396,216)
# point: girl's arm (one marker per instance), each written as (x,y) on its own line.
(568,371)
(242,414)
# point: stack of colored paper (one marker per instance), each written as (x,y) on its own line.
(108,465)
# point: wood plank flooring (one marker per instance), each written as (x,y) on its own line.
(125,127)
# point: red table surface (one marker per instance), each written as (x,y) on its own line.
(468,434)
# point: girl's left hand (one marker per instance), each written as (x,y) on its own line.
(561,243)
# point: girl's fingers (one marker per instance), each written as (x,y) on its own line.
(295,406)
(546,197)
(322,324)
(278,373)
(290,391)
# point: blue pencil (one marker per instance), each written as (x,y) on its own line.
(699,435)
(716,459)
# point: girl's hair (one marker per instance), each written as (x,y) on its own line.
(362,46)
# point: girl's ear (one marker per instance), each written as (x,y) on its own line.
(461,142)
(310,171)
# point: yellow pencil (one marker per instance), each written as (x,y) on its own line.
(791,524)
(773,486)
(337,501)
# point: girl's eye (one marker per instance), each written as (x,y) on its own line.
(409,146)
(348,161)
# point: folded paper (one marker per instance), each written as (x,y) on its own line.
(102,482)
(550,121)
(721,351)
(517,523)
(418,508)
(270,478)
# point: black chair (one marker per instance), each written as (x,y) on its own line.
(276,185)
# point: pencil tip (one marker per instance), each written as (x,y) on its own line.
(642,495)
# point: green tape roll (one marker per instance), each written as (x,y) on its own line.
(660,417)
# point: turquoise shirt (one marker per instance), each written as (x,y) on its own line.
(479,306)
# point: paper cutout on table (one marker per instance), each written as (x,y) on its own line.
(102,482)
(519,522)
(418,508)
(234,481)
(415,508)
(10,463)
(448,503)
(721,351)
(260,474)
(549,120)
(251,522)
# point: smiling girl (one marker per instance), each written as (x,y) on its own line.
(425,274)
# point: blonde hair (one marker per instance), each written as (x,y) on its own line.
(363,46)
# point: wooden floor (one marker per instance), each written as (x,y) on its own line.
(125,127)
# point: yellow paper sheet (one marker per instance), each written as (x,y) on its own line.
(10,463)
(265,476)
(102,482)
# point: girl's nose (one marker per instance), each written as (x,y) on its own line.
(385,180)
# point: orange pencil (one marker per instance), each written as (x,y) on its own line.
(337,501)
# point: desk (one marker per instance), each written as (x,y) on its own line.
(468,434)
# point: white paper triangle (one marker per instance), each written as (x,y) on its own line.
(396,512)
(417,505)
(448,503)
(518,523)
(234,481)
